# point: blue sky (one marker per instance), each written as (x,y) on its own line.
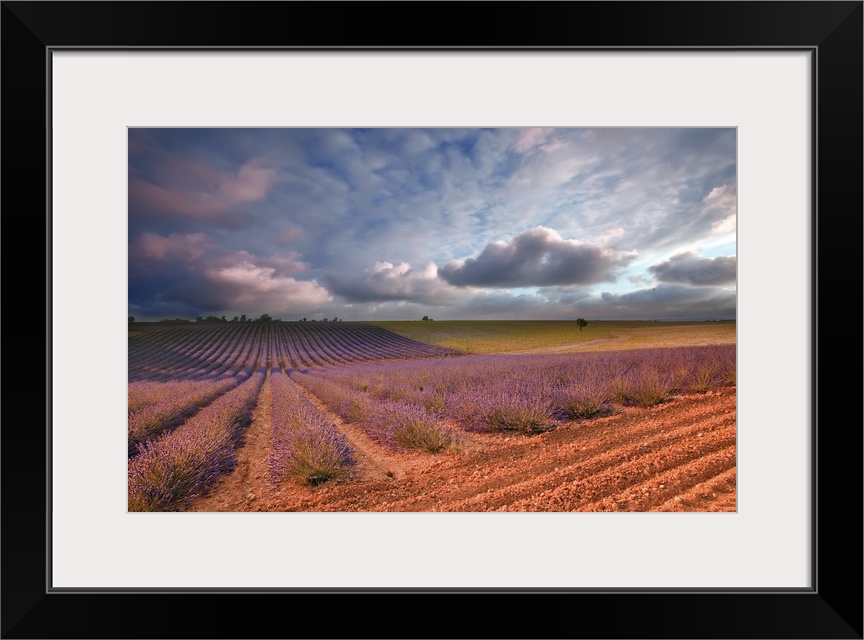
(361,224)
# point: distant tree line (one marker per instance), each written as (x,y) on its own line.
(264,317)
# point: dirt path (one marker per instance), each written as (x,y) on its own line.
(679,456)
(247,485)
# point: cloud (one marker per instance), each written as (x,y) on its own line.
(663,302)
(532,139)
(537,257)
(173,247)
(385,281)
(192,273)
(287,236)
(503,304)
(282,265)
(656,184)
(198,190)
(689,268)
(660,302)
(722,204)
(253,287)
(431,210)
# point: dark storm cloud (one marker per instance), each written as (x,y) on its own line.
(689,268)
(537,257)
(190,272)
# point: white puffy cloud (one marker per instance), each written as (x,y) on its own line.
(247,286)
(385,281)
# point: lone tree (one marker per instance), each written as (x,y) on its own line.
(582,322)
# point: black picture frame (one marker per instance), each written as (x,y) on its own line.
(832,608)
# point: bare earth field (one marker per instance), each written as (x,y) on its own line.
(678,456)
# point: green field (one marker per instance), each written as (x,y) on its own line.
(541,336)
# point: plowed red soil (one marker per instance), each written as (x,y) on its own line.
(678,456)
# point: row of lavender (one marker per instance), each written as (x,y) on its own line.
(306,447)
(156,407)
(208,352)
(180,465)
(414,404)
(198,355)
(183,435)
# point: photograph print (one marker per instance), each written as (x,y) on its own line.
(432,320)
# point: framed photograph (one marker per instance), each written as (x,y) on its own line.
(85,81)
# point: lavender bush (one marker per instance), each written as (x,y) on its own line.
(305,445)
(503,411)
(402,425)
(589,398)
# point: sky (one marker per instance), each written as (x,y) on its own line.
(453,224)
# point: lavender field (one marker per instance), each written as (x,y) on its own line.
(328,396)
(192,390)
(527,394)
